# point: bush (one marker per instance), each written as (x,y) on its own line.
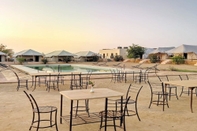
(21,60)
(67,59)
(118,58)
(178,59)
(153,58)
(95,58)
(44,60)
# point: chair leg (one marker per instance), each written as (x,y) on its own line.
(114,122)
(101,123)
(77,108)
(158,99)
(87,107)
(176,93)
(136,111)
(32,122)
(56,120)
(170,91)
(124,123)
(181,92)
(38,122)
(51,119)
(151,99)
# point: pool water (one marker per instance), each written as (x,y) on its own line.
(69,68)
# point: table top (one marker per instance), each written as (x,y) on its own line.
(86,94)
(185,83)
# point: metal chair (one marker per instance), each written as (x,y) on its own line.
(142,76)
(134,92)
(77,83)
(157,89)
(115,115)
(170,87)
(52,82)
(51,110)
(21,82)
(186,77)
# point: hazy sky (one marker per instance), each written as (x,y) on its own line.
(81,25)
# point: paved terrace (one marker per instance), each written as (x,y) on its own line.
(16,114)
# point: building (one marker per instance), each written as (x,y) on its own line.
(111,53)
(2,57)
(59,56)
(29,55)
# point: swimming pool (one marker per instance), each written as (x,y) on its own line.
(69,68)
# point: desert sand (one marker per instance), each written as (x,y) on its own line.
(16,114)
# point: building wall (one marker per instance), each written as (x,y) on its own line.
(30,58)
(190,56)
(107,53)
(3,58)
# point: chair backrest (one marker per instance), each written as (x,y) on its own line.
(16,75)
(134,91)
(173,77)
(32,101)
(125,106)
(162,78)
(184,77)
(158,86)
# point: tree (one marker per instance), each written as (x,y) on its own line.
(135,51)
(3,49)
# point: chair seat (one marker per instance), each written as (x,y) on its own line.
(45,109)
(131,101)
(160,93)
(111,114)
(171,87)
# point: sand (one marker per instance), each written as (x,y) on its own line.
(16,114)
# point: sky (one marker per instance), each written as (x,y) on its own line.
(83,25)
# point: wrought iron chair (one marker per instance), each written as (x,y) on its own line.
(52,82)
(78,82)
(134,92)
(115,115)
(186,77)
(142,76)
(170,87)
(21,82)
(137,66)
(157,89)
(117,75)
(51,110)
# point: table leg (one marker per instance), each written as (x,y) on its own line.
(191,99)
(71,115)
(61,103)
(106,101)
(125,75)
(121,110)
(34,83)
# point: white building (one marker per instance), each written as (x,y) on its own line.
(111,53)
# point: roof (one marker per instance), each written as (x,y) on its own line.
(28,52)
(161,50)
(59,53)
(1,53)
(147,52)
(184,49)
(85,53)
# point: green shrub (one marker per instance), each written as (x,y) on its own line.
(153,58)
(67,59)
(21,60)
(118,58)
(178,59)
(95,58)
(44,60)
